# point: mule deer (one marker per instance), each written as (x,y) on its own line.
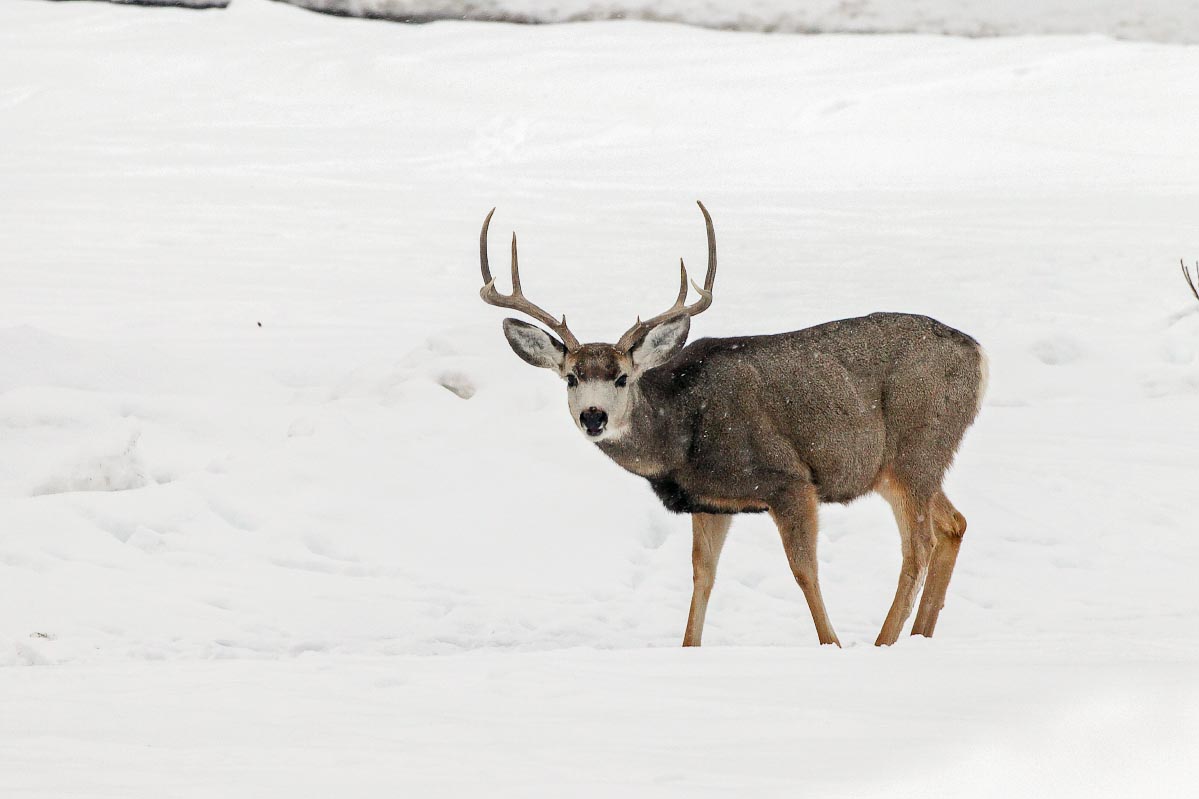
(775,424)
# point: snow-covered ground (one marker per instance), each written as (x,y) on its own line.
(248,560)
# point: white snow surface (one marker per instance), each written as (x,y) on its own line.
(251,545)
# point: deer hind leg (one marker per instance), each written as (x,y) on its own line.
(708,532)
(949,526)
(913,515)
(796,517)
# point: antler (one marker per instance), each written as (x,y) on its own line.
(639,328)
(1187,274)
(516,300)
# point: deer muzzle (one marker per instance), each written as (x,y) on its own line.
(593,420)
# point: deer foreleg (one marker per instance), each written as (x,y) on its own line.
(708,533)
(796,516)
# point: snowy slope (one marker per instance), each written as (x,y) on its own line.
(399,607)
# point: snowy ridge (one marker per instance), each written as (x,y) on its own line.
(1147,20)
(1154,20)
(196,4)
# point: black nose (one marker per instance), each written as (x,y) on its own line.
(593,420)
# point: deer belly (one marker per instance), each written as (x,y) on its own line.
(678,499)
(844,466)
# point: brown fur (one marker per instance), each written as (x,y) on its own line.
(597,362)
(827,414)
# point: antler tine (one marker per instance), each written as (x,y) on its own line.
(680,300)
(639,328)
(1187,274)
(487,278)
(710,277)
(515,268)
(517,301)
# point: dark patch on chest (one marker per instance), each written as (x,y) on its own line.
(677,500)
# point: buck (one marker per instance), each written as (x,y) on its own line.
(775,424)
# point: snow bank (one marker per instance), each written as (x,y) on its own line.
(1148,20)
(199,4)
(1153,20)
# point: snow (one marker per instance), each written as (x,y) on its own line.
(1149,20)
(1153,20)
(255,541)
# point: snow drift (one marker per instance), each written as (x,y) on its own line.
(1148,20)
(199,4)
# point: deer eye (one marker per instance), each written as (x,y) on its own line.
(622,381)
(572,381)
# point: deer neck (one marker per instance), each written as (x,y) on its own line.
(653,442)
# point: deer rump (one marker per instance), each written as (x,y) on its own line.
(841,406)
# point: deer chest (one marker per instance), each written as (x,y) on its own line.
(678,499)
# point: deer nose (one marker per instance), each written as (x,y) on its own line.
(593,420)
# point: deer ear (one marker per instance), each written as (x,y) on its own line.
(534,345)
(660,344)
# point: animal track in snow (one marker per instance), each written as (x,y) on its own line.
(121,470)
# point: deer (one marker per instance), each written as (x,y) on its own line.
(775,424)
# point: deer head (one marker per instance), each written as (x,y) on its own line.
(601,379)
